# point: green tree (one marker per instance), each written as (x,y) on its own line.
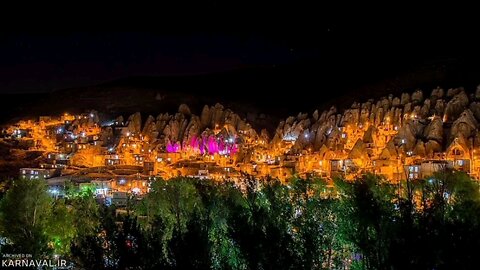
(86,213)
(89,246)
(175,202)
(449,221)
(430,223)
(61,229)
(25,214)
(315,223)
(218,200)
(368,219)
(99,250)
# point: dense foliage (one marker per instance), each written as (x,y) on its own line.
(303,224)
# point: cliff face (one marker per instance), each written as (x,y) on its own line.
(413,124)
(416,123)
(182,128)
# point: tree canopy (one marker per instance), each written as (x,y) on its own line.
(368,223)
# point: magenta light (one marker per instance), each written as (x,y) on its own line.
(205,144)
(173,148)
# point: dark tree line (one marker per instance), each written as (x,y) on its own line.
(183,223)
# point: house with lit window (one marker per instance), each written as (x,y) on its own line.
(389,163)
(51,156)
(21,133)
(430,167)
(111,160)
(139,159)
(35,173)
(62,159)
(52,166)
(168,158)
(459,153)
(82,146)
(67,147)
(413,171)
(102,188)
(342,168)
(130,184)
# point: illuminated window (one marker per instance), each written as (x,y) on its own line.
(414,172)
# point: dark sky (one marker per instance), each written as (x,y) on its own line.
(352,48)
(46,61)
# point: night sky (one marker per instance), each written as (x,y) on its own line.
(238,54)
(337,52)
(42,62)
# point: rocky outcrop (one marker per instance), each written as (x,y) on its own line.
(134,123)
(417,96)
(418,121)
(184,128)
(465,125)
(456,105)
(434,130)
(150,130)
(184,109)
(386,128)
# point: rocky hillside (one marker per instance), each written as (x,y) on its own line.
(184,127)
(425,123)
